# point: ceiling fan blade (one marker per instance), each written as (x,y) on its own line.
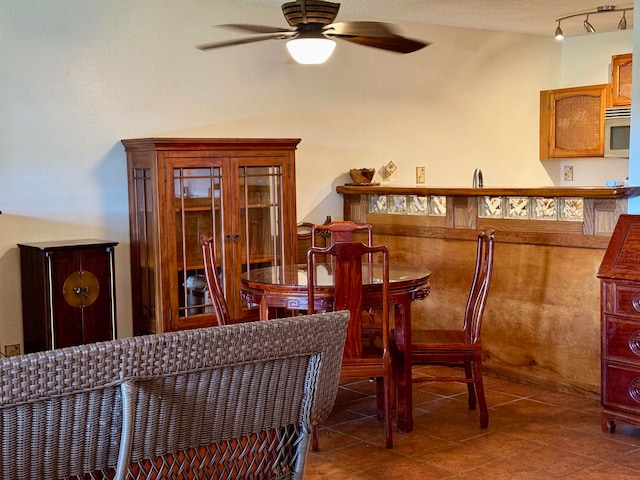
(374,34)
(378,29)
(228,43)
(245,27)
(394,43)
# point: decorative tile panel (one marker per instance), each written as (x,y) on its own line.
(544,208)
(397,204)
(377,204)
(438,205)
(418,205)
(490,207)
(517,207)
(571,209)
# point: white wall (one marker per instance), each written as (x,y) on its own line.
(79,76)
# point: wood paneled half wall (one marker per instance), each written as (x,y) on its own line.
(542,320)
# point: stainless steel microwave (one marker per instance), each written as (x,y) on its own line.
(617,131)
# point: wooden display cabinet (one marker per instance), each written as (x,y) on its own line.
(240,191)
(621,67)
(619,276)
(572,122)
(68,293)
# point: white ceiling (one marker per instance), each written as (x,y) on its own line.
(537,17)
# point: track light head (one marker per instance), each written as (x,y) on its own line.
(587,26)
(559,34)
(622,24)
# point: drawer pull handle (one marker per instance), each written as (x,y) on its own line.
(634,389)
(634,342)
(635,301)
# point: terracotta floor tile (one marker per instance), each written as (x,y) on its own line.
(505,470)
(555,461)
(407,469)
(501,444)
(456,458)
(532,434)
(605,470)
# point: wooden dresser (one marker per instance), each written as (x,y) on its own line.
(619,276)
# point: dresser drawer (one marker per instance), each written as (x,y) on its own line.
(621,298)
(621,338)
(621,387)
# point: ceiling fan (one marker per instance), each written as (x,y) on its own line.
(310,40)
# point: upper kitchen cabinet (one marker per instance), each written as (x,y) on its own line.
(239,191)
(621,66)
(572,122)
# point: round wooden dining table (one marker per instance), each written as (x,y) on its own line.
(285,287)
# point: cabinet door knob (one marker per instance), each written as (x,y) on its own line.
(634,342)
(634,389)
(635,302)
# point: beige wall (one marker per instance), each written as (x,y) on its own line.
(79,76)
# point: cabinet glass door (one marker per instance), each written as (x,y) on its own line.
(261,238)
(199,209)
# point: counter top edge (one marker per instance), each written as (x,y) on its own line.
(584,192)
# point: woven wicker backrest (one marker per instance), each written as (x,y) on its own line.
(235,401)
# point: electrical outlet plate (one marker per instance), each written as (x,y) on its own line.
(12,350)
(420,175)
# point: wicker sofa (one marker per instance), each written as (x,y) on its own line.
(235,401)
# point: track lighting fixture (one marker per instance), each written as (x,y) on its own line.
(622,24)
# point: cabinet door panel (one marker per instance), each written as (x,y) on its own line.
(621,69)
(84,321)
(197,203)
(261,220)
(572,122)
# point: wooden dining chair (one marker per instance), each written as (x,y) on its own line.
(213,283)
(357,362)
(461,347)
(341,231)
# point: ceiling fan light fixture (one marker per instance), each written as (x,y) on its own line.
(311,50)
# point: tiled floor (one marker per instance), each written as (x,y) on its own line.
(532,434)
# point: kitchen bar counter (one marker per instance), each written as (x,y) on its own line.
(560,216)
(586,192)
(542,321)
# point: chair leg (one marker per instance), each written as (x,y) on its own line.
(470,381)
(380,399)
(388,420)
(314,438)
(484,412)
